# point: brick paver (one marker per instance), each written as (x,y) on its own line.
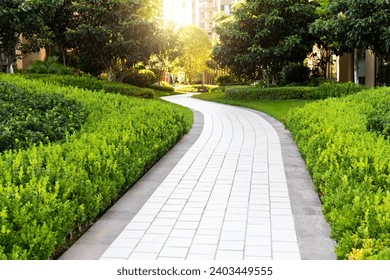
(227,198)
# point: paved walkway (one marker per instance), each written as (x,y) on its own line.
(226,198)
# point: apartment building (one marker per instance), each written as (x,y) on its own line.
(204,12)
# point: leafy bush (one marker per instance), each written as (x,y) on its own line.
(379,119)
(350,167)
(162,88)
(49,191)
(333,89)
(294,73)
(50,66)
(91,83)
(229,80)
(28,119)
(324,90)
(140,78)
(271,93)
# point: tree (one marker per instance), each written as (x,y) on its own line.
(346,26)
(168,50)
(262,36)
(113,34)
(63,19)
(195,50)
(23,17)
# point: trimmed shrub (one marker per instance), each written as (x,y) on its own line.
(140,78)
(324,90)
(350,167)
(162,88)
(333,89)
(271,93)
(31,119)
(48,192)
(50,66)
(91,83)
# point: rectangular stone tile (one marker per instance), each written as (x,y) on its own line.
(124,243)
(154,237)
(233,235)
(206,249)
(164,222)
(258,241)
(200,257)
(182,233)
(234,226)
(132,234)
(112,252)
(143,256)
(231,245)
(184,242)
(178,252)
(148,247)
(257,251)
(229,255)
(286,256)
(284,235)
(186,225)
(285,247)
(137,226)
(206,239)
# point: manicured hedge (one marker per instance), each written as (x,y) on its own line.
(168,89)
(325,90)
(271,93)
(47,192)
(91,83)
(27,119)
(350,167)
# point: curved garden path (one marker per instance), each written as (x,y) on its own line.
(238,191)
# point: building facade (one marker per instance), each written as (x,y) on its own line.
(373,70)
(205,11)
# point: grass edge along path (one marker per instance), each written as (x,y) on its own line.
(277,109)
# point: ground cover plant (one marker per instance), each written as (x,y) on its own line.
(275,108)
(50,191)
(324,90)
(27,119)
(346,148)
(91,83)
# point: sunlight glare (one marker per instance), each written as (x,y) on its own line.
(178,11)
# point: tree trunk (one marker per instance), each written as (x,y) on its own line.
(356,66)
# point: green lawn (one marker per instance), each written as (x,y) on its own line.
(275,108)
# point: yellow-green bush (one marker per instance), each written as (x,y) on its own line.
(49,191)
(350,167)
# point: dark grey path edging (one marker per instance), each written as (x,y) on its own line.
(312,230)
(99,237)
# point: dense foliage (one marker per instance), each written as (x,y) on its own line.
(350,170)
(49,191)
(324,90)
(261,37)
(91,83)
(30,119)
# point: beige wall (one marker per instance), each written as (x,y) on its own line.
(370,68)
(345,68)
(26,60)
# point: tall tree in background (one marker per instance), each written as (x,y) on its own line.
(168,50)
(347,26)
(113,34)
(263,36)
(63,19)
(195,50)
(27,18)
